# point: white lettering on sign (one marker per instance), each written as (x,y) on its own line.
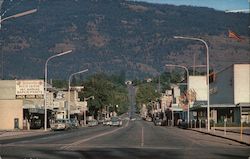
(29,87)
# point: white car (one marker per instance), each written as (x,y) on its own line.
(148,119)
(106,122)
(61,124)
(92,122)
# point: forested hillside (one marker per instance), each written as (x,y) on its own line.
(116,36)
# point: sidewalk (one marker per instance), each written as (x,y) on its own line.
(234,136)
(8,134)
(246,130)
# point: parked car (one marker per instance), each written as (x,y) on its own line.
(183,124)
(36,124)
(100,121)
(92,122)
(148,119)
(74,123)
(115,121)
(106,122)
(61,124)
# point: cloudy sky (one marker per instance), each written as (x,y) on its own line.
(216,4)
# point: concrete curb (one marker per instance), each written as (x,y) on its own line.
(242,142)
(22,135)
(231,131)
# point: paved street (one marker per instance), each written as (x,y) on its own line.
(132,100)
(136,139)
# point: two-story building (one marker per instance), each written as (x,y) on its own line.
(229,95)
(22,104)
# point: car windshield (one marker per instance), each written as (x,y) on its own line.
(73,120)
(125,79)
(114,119)
(60,121)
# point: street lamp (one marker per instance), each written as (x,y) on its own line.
(17,15)
(45,84)
(84,112)
(70,88)
(186,69)
(14,16)
(116,108)
(207,52)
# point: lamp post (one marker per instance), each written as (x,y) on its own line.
(84,112)
(207,53)
(70,88)
(186,69)
(116,109)
(45,84)
(17,15)
(14,16)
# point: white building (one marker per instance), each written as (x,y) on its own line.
(229,94)
(21,101)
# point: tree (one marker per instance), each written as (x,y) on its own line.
(146,93)
(106,92)
(60,83)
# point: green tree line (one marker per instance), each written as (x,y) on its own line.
(108,91)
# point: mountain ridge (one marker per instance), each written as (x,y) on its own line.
(117,36)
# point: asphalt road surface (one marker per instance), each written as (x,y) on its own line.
(131,97)
(134,140)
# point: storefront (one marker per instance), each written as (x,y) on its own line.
(218,114)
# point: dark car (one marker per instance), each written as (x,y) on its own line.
(115,121)
(183,124)
(74,123)
(158,122)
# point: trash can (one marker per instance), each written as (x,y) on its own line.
(16,123)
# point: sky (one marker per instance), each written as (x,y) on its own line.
(216,4)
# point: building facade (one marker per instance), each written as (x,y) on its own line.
(22,104)
(229,96)
(20,101)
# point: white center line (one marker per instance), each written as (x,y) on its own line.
(142,137)
(91,138)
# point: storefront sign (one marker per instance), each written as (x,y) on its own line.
(29,87)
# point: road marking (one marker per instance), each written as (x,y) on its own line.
(127,123)
(91,138)
(142,137)
(33,145)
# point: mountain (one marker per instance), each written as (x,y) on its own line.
(116,36)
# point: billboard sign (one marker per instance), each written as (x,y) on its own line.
(198,86)
(241,83)
(29,87)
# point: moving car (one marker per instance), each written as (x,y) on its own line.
(115,121)
(61,124)
(158,122)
